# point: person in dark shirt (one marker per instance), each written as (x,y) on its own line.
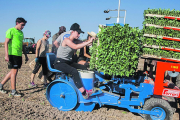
(55,36)
(84,55)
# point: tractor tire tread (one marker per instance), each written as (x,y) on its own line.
(156,102)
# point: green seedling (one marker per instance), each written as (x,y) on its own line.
(43,103)
(23,99)
(124,112)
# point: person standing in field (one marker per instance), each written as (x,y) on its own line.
(41,49)
(13,54)
(62,29)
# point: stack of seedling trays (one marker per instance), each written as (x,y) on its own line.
(117,50)
(161,34)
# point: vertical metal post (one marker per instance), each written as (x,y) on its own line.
(124,17)
(118,12)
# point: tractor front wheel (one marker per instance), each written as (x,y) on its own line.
(160,105)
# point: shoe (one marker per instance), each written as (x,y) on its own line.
(3,91)
(32,84)
(16,94)
(89,93)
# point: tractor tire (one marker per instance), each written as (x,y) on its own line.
(156,104)
(173,102)
(178,81)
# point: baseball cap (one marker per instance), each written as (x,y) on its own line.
(76,27)
(62,28)
(47,33)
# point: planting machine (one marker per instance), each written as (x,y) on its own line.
(131,93)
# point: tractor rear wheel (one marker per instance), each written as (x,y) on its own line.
(173,102)
(178,81)
(160,105)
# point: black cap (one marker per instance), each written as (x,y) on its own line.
(62,28)
(76,27)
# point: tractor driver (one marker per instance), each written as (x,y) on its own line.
(64,61)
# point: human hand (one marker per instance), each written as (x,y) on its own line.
(26,59)
(91,39)
(89,44)
(7,58)
(36,60)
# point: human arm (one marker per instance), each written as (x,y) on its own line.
(85,54)
(53,40)
(37,48)
(6,49)
(69,43)
(47,47)
(24,51)
(56,43)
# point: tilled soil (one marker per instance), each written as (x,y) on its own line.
(34,105)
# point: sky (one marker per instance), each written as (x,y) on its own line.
(44,15)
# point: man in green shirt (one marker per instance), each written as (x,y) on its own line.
(13,54)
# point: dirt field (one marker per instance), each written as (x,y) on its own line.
(33,103)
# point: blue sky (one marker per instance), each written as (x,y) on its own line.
(44,15)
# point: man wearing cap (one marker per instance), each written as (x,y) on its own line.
(55,36)
(64,61)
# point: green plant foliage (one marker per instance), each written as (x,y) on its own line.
(161,53)
(161,21)
(118,50)
(160,11)
(160,42)
(162,32)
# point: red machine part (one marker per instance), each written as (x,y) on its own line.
(159,85)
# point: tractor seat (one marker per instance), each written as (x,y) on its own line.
(50,57)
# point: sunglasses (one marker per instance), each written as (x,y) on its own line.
(48,36)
